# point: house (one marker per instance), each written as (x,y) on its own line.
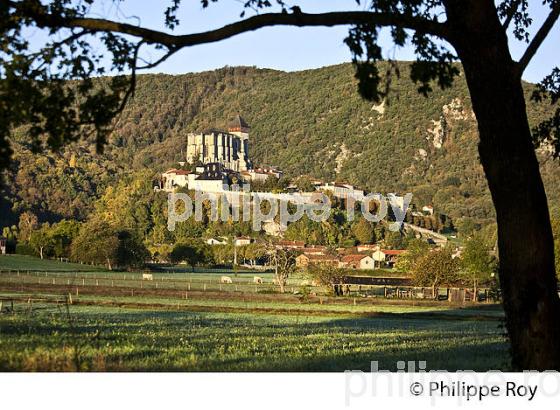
(216,241)
(367,248)
(357,261)
(3,242)
(175,178)
(315,250)
(428,210)
(213,179)
(243,240)
(388,257)
(391,255)
(296,245)
(303,260)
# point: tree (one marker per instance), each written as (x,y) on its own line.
(131,252)
(393,240)
(284,262)
(436,268)
(476,261)
(62,235)
(188,253)
(416,249)
(254,251)
(363,231)
(96,243)
(41,240)
(330,276)
(473,31)
(27,223)
(556,231)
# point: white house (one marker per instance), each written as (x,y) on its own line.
(175,178)
(216,241)
(357,261)
(242,240)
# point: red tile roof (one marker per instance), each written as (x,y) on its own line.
(324,258)
(177,171)
(393,251)
(353,258)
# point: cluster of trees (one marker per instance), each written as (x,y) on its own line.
(477,264)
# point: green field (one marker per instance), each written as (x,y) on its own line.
(98,338)
(115,323)
(23,262)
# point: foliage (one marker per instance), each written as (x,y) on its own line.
(415,251)
(329,276)
(363,231)
(99,243)
(281,108)
(477,261)
(284,262)
(192,253)
(436,268)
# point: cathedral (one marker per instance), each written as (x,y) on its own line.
(231,148)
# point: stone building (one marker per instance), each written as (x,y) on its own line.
(231,148)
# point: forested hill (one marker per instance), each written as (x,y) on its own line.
(310,122)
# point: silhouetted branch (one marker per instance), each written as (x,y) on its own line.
(539,38)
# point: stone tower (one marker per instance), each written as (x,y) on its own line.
(240,128)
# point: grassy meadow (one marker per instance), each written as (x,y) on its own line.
(65,320)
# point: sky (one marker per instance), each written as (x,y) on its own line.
(283,48)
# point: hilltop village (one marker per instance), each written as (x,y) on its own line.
(216,159)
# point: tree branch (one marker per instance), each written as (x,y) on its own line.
(514,6)
(43,19)
(539,38)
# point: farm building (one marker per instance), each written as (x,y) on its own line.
(367,248)
(315,250)
(243,240)
(216,241)
(388,257)
(304,260)
(357,261)
(284,244)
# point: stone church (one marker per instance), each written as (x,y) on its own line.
(231,148)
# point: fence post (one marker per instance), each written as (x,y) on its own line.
(77,291)
(96,282)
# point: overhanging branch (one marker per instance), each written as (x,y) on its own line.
(538,39)
(46,20)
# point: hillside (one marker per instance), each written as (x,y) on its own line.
(309,122)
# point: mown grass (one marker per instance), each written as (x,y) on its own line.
(118,339)
(24,262)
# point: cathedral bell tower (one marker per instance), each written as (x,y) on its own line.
(240,128)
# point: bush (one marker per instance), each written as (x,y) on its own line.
(23,248)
